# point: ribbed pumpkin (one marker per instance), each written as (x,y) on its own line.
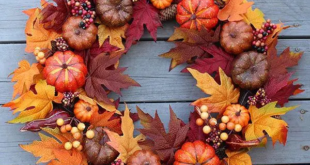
(161,4)
(66,71)
(195,14)
(197,152)
(237,114)
(83,110)
(143,157)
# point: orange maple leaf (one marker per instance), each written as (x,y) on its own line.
(234,10)
(272,37)
(237,158)
(36,35)
(221,95)
(126,145)
(52,148)
(263,120)
(25,76)
(104,120)
(32,105)
(114,34)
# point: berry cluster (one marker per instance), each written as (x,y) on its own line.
(117,162)
(260,36)
(260,98)
(40,56)
(61,44)
(84,9)
(77,133)
(69,98)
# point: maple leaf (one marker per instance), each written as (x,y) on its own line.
(126,145)
(194,45)
(210,65)
(104,120)
(164,143)
(143,14)
(279,64)
(275,33)
(25,76)
(49,148)
(254,17)
(112,79)
(36,35)
(234,10)
(262,120)
(222,95)
(32,105)
(195,132)
(237,158)
(115,35)
(281,88)
(53,17)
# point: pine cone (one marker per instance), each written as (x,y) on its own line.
(220,3)
(168,13)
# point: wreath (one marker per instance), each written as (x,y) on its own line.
(231,52)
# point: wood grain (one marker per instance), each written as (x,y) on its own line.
(291,13)
(293,152)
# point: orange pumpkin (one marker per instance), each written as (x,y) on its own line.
(237,114)
(84,111)
(161,4)
(196,152)
(195,14)
(66,71)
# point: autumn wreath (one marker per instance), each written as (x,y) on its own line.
(232,54)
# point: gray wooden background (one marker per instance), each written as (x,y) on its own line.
(161,88)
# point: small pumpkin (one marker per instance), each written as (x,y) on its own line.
(84,110)
(143,157)
(97,151)
(236,37)
(161,4)
(250,70)
(66,71)
(114,13)
(76,37)
(237,114)
(196,152)
(195,14)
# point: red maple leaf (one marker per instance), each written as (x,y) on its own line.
(53,17)
(281,88)
(143,14)
(165,144)
(103,77)
(210,65)
(195,132)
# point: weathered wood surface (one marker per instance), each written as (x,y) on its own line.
(290,12)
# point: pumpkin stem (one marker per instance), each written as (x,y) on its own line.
(238,113)
(88,108)
(197,163)
(64,66)
(193,16)
(233,35)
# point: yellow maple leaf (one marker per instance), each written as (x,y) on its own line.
(32,105)
(114,34)
(36,35)
(263,120)
(272,37)
(126,145)
(221,95)
(254,17)
(237,158)
(25,76)
(48,148)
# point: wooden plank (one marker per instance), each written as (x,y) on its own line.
(293,152)
(296,13)
(151,72)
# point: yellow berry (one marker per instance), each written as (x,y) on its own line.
(60,122)
(74,130)
(36,51)
(225,119)
(77,135)
(68,146)
(68,127)
(42,61)
(199,122)
(37,58)
(76,144)
(222,126)
(41,55)
(204,115)
(90,134)
(206,129)
(213,121)
(204,108)
(63,129)
(81,126)
(230,125)
(224,136)
(238,127)
(80,148)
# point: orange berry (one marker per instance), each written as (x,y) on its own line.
(224,136)
(81,126)
(60,122)
(204,108)
(206,129)
(77,135)
(238,128)
(199,122)
(80,148)
(222,126)
(68,146)
(230,125)
(68,127)
(36,51)
(74,130)
(63,129)
(213,121)
(42,61)
(76,144)
(37,58)
(90,134)
(41,55)
(204,115)
(225,119)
